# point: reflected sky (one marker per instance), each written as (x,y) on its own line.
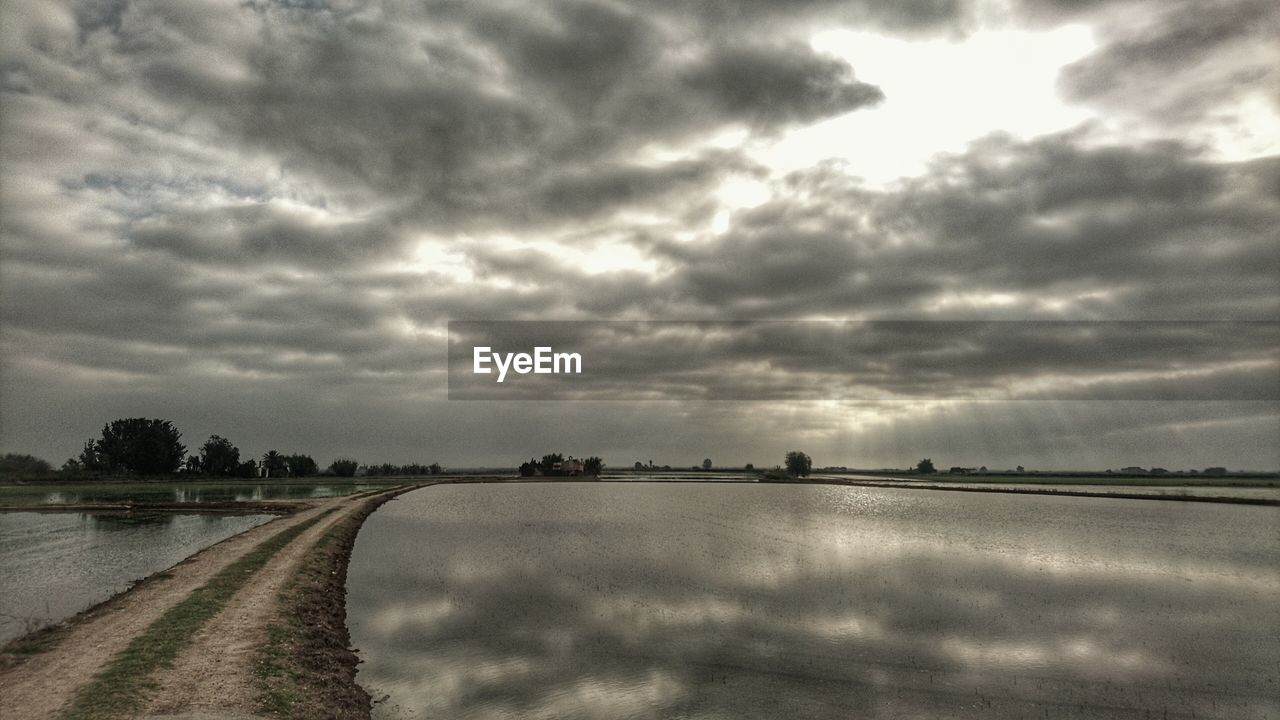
(179,492)
(725,601)
(53,565)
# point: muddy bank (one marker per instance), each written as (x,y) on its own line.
(308,667)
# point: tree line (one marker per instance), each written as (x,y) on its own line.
(556,465)
(151,446)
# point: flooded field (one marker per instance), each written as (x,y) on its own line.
(173,492)
(1218,491)
(743,600)
(54,565)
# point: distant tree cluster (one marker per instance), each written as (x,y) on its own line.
(410,470)
(133,446)
(798,464)
(141,446)
(557,465)
(344,467)
(15,464)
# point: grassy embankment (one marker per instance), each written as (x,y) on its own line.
(307,668)
(124,685)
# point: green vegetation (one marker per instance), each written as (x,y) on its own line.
(344,467)
(410,470)
(124,685)
(219,457)
(135,446)
(280,681)
(301,465)
(925,467)
(15,464)
(557,465)
(307,668)
(798,464)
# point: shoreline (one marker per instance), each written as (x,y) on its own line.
(907,485)
(307,665)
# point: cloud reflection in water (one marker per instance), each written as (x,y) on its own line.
(609,601)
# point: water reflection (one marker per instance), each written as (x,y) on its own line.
(811,601)
(55,565)
(172,492)
(107,522)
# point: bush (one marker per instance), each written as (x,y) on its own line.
(799,464)
(344,467)
(219,457)
(139,446)
(15,464)
(301,466)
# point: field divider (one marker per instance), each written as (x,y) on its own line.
(124,685)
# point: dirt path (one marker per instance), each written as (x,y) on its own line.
(42,686)
(214,675)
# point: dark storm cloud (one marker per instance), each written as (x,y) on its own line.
(214,205)
(770,86)
(879,360)
(1058,227)
(1176,63)
(449,107)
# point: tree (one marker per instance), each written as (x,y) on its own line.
(749,466)
(798,463)
(549,461)
(139,446)
(706,463)
(192,465)
(435,469)
(925,467)
(639,465)
(89,460)
(529,469)
(248,469)
(219,457)
(344,467)
(301,466)
(273,464)
(15,464)
(592,466)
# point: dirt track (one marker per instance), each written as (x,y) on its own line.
(211,677)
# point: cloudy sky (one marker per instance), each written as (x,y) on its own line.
(258,218)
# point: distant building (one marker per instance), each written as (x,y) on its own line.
(570,466)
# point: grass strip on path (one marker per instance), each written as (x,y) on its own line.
(307,668)
(125,684)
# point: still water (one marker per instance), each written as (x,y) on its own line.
(53,565)
(172,492)
(776,601)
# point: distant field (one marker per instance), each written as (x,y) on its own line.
(1139,480)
